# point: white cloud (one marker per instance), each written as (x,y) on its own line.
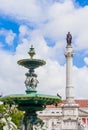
(10,77)
(81,82)
(52,78)
(9,36)
(23,29)
(21,9)
(86,60)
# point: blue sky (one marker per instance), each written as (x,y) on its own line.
(45,25)
(82,2)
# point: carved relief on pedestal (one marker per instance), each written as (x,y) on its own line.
(31,80)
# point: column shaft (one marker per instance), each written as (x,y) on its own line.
(69,67)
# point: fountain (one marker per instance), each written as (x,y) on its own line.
(31,102)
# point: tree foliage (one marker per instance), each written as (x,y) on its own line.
(17,116)
(7,111)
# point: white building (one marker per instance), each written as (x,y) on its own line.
(53,114)
(70,114)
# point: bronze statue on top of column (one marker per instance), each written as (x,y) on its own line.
(69,39)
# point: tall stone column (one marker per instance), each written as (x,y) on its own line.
(69,67)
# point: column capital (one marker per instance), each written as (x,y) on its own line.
(69,54)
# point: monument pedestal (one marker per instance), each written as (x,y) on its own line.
(69,117)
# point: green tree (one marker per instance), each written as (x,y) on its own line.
(17,116)
(7,111)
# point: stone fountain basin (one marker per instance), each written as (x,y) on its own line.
(31,63)
(31,101)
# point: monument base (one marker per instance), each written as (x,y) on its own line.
(70,116)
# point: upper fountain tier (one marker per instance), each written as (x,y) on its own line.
(31,63)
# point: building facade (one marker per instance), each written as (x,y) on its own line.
(52,115)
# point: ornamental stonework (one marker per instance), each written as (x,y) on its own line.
(69,54)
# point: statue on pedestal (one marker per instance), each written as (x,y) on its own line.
(69,38)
